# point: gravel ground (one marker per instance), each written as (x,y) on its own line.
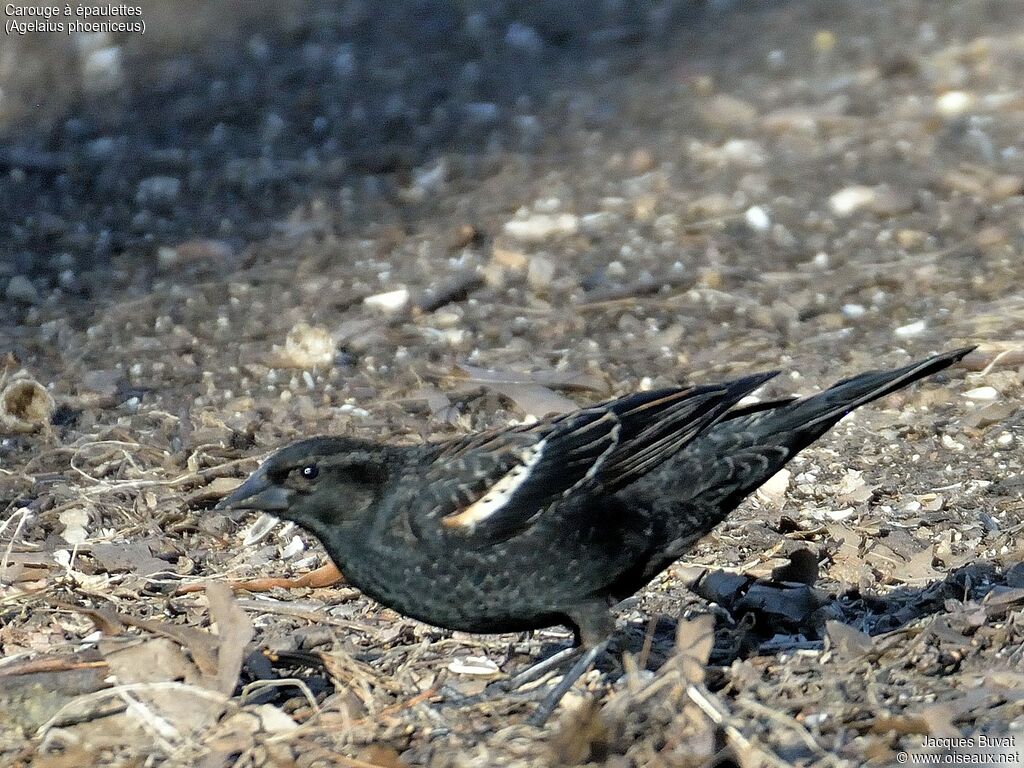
(317,220)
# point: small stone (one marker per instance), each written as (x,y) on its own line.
(509,258)
(954,103)
(615,269)
(910,238)
(540,273)
(890,202)
(523,38)
(757,219)
(911,329)
(541,226)
(853,311)
(102,71)
(389,302)
(641,161)
(158,191)
(982,393)
(309,346)
(953,445)
(990,237)
(851,199)
(711,206)
(21,290)
(824,41)
(1005,439)
(724,110)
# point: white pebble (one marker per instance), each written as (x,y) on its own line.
(910,329)
(982,393)
(615,269)
(392,301)
(1004,439)
(954,103)
(757,219)
(541,226)
(847,201)
(953,445)
(853,311)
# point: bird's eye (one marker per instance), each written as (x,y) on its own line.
(310,471)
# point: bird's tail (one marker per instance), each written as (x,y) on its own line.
(806,419)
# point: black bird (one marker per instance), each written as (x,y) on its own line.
(553,522)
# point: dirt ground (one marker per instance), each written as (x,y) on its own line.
(321,219)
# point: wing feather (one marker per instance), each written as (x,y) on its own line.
(505,479)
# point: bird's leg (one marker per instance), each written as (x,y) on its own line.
(594,628)
(580,668)
(518,680)
(541,668)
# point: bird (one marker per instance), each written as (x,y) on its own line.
(553,522)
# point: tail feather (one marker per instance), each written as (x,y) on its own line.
(812,416)
(849,394)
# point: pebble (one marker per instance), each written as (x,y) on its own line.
(158,191)
(1004,439)
(389,302)
(523,38)
(540,273)
(711,206)
(509,258)
(308,346)
(615,269)
(542,226)
(853,311)
(21,289)
(851,199)
(982,393)
(953,445)
(954,103)
(757,219)
(102,71)
(593,223)
(910,329)
(725,110)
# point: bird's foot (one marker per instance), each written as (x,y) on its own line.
(578,670)
(511,685)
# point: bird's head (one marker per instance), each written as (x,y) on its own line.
(319,483)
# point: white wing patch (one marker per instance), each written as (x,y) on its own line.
(499,494)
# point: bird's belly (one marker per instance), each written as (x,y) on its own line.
(477,591)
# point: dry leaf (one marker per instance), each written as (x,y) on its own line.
(846,639)
(234,632)
(694,641)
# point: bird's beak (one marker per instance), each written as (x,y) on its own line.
(257,493)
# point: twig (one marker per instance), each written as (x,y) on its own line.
(116,691)
(717,713)
(22,514)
